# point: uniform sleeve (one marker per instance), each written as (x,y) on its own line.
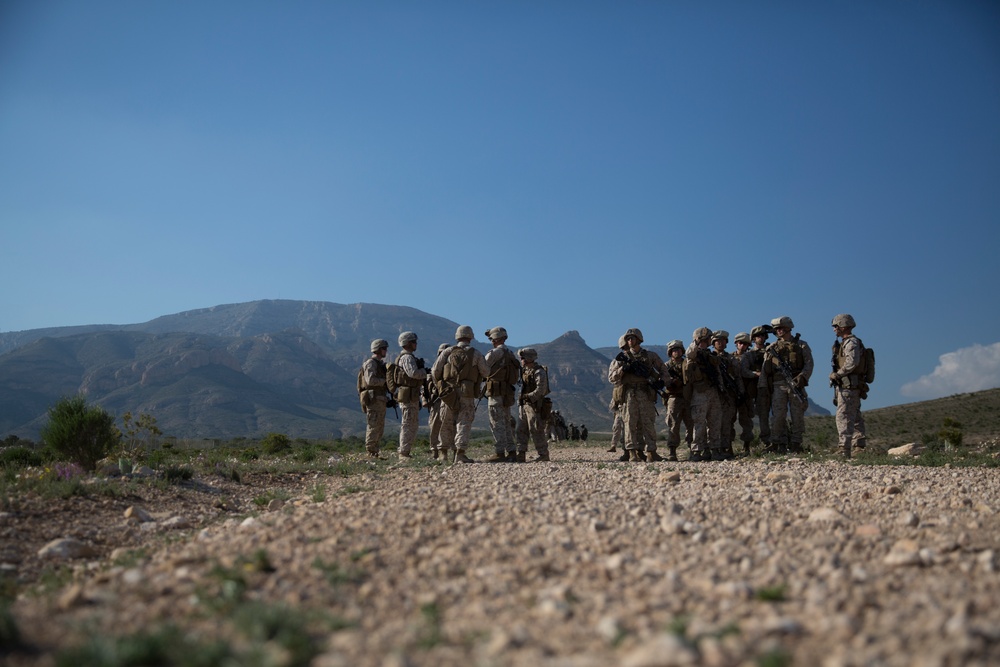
(408,363)
(615,372)
(437,370)
(494,359)
(807,361)
(660,367)
(370,370)
(851,352)
(541,385)
(484,370)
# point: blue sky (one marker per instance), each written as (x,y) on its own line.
(544,166)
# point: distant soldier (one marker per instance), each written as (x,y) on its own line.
(583,432)
(755,365)
(432,399)
(640,373)
(748,379)
(676,407)
(458,372)
(410,377)
(788,365)
(703,392)
(574,432)
(732,390)
(618,423)
(848,381)
(532,406)
(374,396)
(501,382)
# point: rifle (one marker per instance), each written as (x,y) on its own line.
(734,387)
(391,402)
(636,367)
(833,363)
(786,372)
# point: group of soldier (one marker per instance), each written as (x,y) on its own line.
(704,387)
(709,390)
(451,388)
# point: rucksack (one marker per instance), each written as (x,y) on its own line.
(391,379)
(869,362)
(458,358)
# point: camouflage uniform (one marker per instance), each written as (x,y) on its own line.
(500,395)
(638,396)
(849,385)
(677,408)
(433,398)
(731,394)
(797,354)
(531,406)
(703,391)
(748,381)
(371,385)
(459,396)
(408,393)
(755,365)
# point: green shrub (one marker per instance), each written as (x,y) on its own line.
(80,433)
(20,457)
(276,443)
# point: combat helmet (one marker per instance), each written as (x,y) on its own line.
(720,334)
(528,353)
(742,337)
(378,344)
(497,333)
(407,337)
(763,330)
(844,320)
(621,342)
(633,332)
(785,322)
(674,345)
(701,333)
(464,331)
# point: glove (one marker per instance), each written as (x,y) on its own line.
(834,378)
(799,381)
(421,363)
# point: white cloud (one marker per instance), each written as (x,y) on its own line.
(968,369)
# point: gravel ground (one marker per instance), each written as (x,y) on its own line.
(585,562)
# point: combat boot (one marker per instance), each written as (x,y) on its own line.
(673,454)
(651,457)
(635,457)
(436,453)
(624,456)
(718,454)
(460,457)
(698,455)
(613,449)
(499,457)
(746,449)
(521,457)
(541,458)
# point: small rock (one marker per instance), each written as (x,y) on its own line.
(177,523)
(825,514)
(67,548)
(71,597)
(672,477)
(903,552)
(275,504)
(892,490)
(137,514)
(908,519)
(868,530)
(778,476)
(909,449)
(665,650)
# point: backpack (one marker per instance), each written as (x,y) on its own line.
(868,355)
(391,379)
(458,359)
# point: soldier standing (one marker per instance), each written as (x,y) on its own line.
(374,396)
(755,363)
(732,395)
(848,381)
(504,373)
(676,406)
(788,365)
(532,406)
(748,381)
(640,373)
(703,393)
(432,398)
(458,372)
(410,377)
(617,423)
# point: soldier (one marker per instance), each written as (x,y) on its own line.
(617,423)
(410,377)
(458,372)
(584,432)
(732,395)
(504,373)
(574,432)
(748,380)
(703,393)
(677,408)
(640,374)
(848,381)
(432,399)
(374,396)
(788,365)
(532,406)
(755,364)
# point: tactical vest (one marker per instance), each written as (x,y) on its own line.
(701,370)
(501,382)
(642,356)
(675,371)
(408,388)
(791,352)
(379,374)
(528,382)
(461,371)
(756,358)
